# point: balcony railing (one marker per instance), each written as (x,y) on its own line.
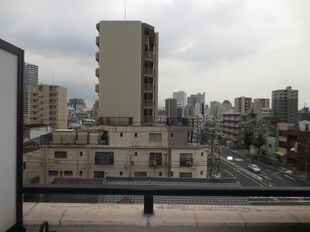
(97,56)
(148,87)
(148,71)
(149,55)
(97,72)
(150,191)
(148,103)
(97,41)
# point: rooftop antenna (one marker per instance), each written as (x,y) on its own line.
(125,10)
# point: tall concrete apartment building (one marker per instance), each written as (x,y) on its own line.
(181,97)
(171,108)
(243,104)
(127,73)
(48,105)
(285,105)
(265,102)
(31,73)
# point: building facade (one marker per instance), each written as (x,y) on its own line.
(128,72)
(48,105)
(123,151)
(243,104)
(31,76)
(285,105)
(181,98)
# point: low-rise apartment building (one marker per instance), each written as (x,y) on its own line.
(123,151)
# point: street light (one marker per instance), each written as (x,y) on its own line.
(275,173)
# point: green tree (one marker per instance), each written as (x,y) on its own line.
(247,138)
(258,142)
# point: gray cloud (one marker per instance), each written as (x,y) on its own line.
(226,48)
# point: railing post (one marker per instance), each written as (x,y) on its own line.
(148,204)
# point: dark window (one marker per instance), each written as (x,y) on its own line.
(120,173)
(121,134)
(81,173)
(160,174)
(155,159)
(171,135)
(186,174)
(68,173)
(136,135)
(155,137)
(136,153)
(53,173)
(171,174)
(98,174)
(25,165)
(201,153)
(137,174)
(282,144)
(104,158)
(60,154)
(201,173)
(81,153)
(186,159)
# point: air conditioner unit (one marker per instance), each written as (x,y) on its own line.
(188,163)
(152,163)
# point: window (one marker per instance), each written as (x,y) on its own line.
(140,174)
(60,154)
(98,174)
(160,174)
(186,174)
(121,134)
(121,173)
(201,153)
(171,135)
(81,173)
(155,137)
(53,173)
(104,158)
(68,173)
(81,153)
(25,165)
(282,144)
(136,135)
(155,159)
(186,159)
(136,153)
(171,173)
(201,173)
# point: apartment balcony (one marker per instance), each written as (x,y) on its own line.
(97,72)
(97,88)
(98,41)
(98,27)
(148,120)
(149,71)
(97,56)
(149,55)
(148,88)
(165,217)
(148,103)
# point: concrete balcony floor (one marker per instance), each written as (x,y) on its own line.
(126,217)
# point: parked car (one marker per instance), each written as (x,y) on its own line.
(254,168)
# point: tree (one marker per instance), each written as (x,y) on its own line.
(247,138)
(258,142)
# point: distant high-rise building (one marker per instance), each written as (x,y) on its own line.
(31,73)
(265,102)
(48,105)
(128,73)
(243,104)
(196,104)
(216,109)
(181,97)
(285,105)
(226,105)
(171,108)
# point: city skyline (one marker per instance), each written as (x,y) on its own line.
(227,49)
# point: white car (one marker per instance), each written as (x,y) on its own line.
(254,168)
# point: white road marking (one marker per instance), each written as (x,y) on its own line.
(289,177)
(229,172)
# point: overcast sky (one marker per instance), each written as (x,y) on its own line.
(226,48)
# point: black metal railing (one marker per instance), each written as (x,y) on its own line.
(150,191)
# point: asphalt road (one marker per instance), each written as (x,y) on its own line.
(267,172)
